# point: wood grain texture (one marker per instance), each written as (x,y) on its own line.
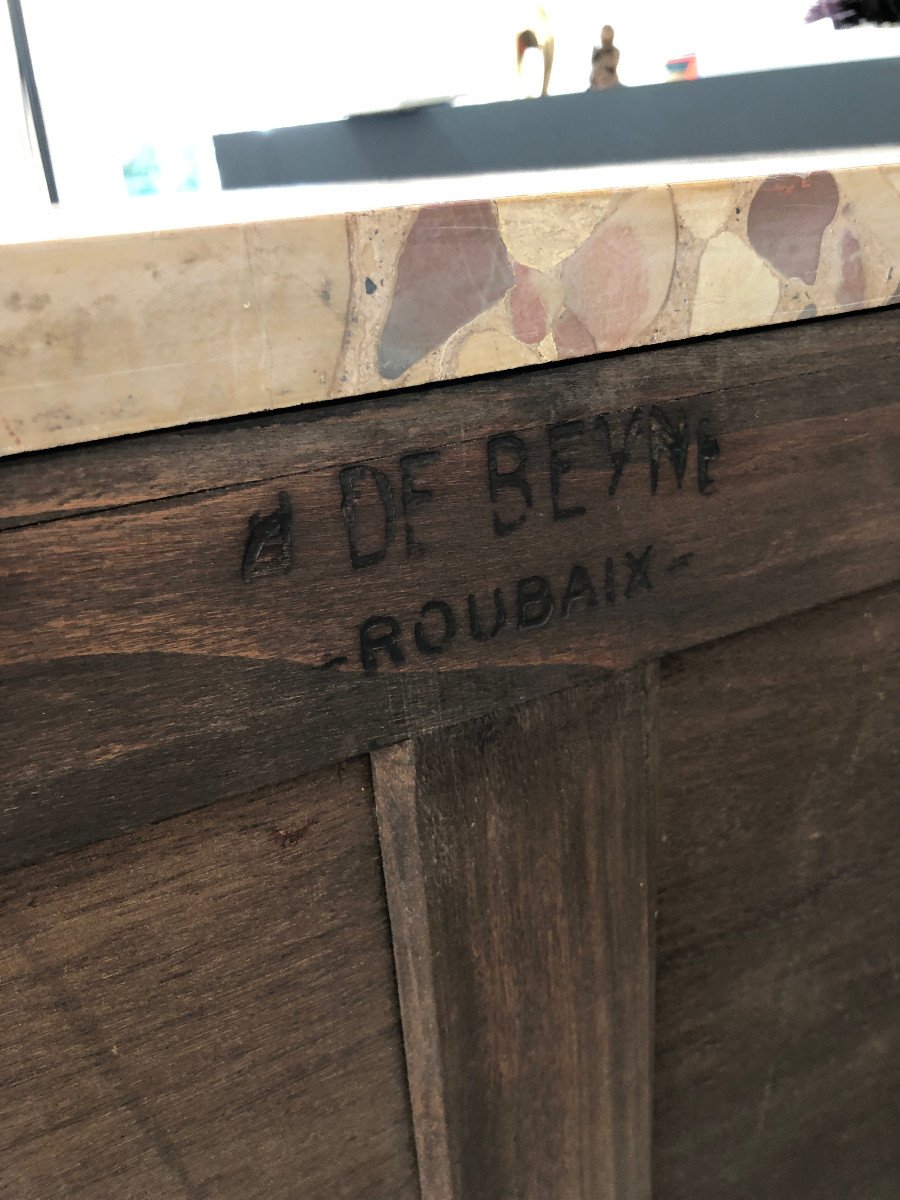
(103,744)
(760,376)
(516,857)
(148,677)
(778,872)
(207,1010)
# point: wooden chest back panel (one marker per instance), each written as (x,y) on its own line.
(206,1007)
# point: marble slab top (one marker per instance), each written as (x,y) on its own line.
(258,309)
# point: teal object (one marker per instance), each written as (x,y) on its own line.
(154,170)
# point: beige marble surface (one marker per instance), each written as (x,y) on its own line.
(101,336)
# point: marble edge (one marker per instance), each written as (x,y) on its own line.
(126,333)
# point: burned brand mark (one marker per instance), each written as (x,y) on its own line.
(566,472)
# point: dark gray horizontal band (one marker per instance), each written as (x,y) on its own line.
(836,106)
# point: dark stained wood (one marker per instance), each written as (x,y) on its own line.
(148,677)
(760,376)
(207,1010)
(778,878)
(408,871)
(516,858)
(102,744)
(799,513)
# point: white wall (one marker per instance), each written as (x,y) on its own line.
(115,74)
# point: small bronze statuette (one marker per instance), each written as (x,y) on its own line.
(605,62)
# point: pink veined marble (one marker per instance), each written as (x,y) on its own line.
(107,336)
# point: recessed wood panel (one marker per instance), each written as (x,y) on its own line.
(516,857)
(207,1010)
(778,875)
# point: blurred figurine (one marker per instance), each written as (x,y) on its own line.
(604,62)
(538,37)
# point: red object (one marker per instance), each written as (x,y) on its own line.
(684,67)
